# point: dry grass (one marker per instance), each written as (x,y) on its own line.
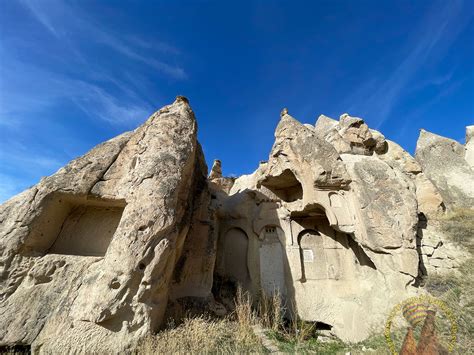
(202,335)
(235,333)
(270,311)
(457,289)
(458,226)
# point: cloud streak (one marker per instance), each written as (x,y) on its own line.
(435,33)
(25,97)
(65,21)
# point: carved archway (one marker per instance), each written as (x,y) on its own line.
(235,256)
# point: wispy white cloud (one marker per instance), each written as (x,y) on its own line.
(62,71)
(9,186)
(25,96)
(36,8)
(66,21)
(97,102)
(409,119)
(18,165)
(435,33)
(154,44)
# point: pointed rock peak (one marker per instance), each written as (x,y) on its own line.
(324,123)
(469,134)
(324,118)
(216,170)
(428,139)
(288,125)
(348,120)
(427,135)
(182,99)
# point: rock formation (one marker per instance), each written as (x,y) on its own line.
(470,146)
(131,234)
(96,250)
(448,164)
(334,232)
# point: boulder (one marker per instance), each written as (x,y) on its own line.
(350,135)
(430,202)
(443,161)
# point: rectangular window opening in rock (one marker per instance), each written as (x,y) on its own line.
(74,225)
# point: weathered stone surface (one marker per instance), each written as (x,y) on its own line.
(339,230)
(132,234)
(321,161)
(217,180)
(470,146)
(439,255)
(430,202)
(216,170)
(350,135)
(152,183)
(443,161)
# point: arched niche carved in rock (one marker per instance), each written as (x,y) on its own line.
(320,256)
(271,253)
(235,256)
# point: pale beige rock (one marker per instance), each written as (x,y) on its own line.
(217,181)
(469,156)
(439,255)
(429,199)
(143,194)
(132,234)
(443,161)
(335,234)
(350,135)
(216,170)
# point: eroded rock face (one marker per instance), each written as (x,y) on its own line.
(443,160)
(469,156)
(338,221)
(350,135)
(333,229)
(92,249)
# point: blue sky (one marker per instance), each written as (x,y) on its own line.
(76,73)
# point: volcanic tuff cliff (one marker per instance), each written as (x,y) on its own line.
(132,233)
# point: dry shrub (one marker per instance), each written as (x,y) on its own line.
(457,289)
(245,317)
(243,309)
(458,226)
(201,335)
(270,310)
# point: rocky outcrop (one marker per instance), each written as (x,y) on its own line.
(350,135)
(339,221)
(217,180)
(469,155)
(443,160)
(88,254)
(333,229)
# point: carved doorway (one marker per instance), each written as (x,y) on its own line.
(272,272)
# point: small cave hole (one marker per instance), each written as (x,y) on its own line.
(286,186)
(323,326)
(115,284)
